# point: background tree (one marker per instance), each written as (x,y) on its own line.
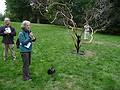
(1,16)
(62,9)
(20,9)
(114,25)
(106,17)
(102,15)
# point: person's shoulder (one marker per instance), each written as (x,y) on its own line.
(20,33)
(2,27)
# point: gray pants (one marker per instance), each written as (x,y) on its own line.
(26,58)
(11,48)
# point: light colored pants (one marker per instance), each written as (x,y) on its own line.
(86,35)
(11,48)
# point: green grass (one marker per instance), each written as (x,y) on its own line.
(98,70)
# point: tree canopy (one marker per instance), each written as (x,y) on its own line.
(104,13)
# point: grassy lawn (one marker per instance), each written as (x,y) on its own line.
(99,69)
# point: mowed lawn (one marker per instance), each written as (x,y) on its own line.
(98,69)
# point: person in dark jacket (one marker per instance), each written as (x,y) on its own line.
(8,33)
(25,38)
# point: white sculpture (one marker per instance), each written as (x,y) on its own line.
(87,31)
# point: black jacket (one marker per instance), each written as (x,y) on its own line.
(7,38)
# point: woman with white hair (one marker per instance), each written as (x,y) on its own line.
(25,38)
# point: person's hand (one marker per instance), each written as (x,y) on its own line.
(31,34)
(5,32)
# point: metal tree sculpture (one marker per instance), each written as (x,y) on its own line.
(62,10)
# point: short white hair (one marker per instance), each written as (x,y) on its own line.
(6,19)
(24,23)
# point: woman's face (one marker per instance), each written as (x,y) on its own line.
(7,22)
(27,26)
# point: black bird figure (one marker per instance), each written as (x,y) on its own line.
(51,71)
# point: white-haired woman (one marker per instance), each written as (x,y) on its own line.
(25,38)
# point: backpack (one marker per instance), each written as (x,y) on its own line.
(17,43)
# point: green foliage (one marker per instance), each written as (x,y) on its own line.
(79,9)
(114,26)
(20,9)
(1,16)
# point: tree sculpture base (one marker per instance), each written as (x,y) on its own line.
(79,53)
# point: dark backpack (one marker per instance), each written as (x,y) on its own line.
(17,43)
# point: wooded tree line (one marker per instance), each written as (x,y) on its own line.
(101,14)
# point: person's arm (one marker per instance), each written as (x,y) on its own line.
(33,40)
(2,32)
(23,40)
(13,33)
(32,37)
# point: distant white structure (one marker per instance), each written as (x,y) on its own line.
(87,31)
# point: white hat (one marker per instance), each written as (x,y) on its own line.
(7,19)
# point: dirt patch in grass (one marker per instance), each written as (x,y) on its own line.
(90,54)
(85,53)
(107,44)
(99,42)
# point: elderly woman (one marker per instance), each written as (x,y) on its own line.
(25,38)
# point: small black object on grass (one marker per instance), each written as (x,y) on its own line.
(51,71)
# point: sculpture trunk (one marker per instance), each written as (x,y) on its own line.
(78,44)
